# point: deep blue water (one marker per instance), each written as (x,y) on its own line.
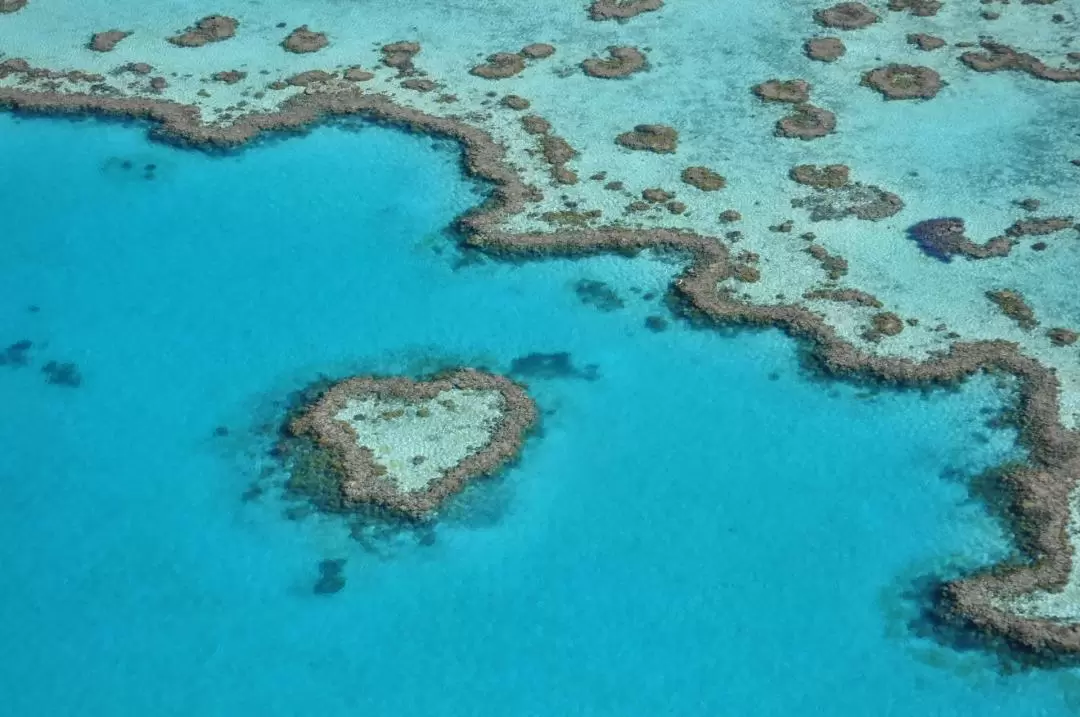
(701,530)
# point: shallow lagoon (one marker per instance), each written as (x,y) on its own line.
(701,529)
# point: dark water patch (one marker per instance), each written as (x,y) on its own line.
(252,493)
(15,355)
(598,294)
(331,577)
(64,373)
(33,308)
(656,324)
(221,432)
(552,366)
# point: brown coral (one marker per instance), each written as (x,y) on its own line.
(831,176)
(904,82)
(659,138)
(925,42)
(212,28)
(794,91)
(806,122)
(106,41)
(400,55)
(1012,304)
(621,62)
(846,16)
(538,50)
(302,40)
(499,66)
(229,77)
(998,57)
(622,9)
(703,178)
(824,49)
(919,8)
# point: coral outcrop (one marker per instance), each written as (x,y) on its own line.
(659,138)
(212,28)
(332,422)
(622,9)
(106,41)
(904,82)
(621,62)
(846,16)
(824,49)
(303,40)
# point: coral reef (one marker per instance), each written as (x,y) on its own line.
(499,66)
(835,266)
(824,49)
(400,55)
(212,28)
(551,366)
(919,8)
(1000,57)
(944,238)
(846,296)
(538,50)
(621,62)
(862,201)
(621,9)
(904,82)
(885,323)
(1062,337)
(515,102)
(806,121)
(1013,305)
(794,91)
(331,578)
(598,294)
(1039,491)
(302,40)
(357,74)
(106,41)
(846,16)
(60,373)
(659,138)
(229,77)
(830,176)
(925,42)
(361,480)
(703,178)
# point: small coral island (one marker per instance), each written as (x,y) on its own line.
(403,444)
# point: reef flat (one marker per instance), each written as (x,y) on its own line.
(872,91)
(406,444)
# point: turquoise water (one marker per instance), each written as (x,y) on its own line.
(702,529)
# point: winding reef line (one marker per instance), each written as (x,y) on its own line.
(1039,492)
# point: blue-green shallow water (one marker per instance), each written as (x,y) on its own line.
(702,530)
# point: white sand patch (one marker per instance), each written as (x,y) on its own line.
(417,441)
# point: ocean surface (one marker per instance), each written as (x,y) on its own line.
(701,528)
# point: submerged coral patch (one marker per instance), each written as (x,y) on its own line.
(806,121)
(621,9)
(945,238)
(824,49)
(846,16)
(106,41)
(406,444)
(212,28)
(659,138)
(904,82)
(621,62)
(303,40)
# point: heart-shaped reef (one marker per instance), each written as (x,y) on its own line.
(407,444)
